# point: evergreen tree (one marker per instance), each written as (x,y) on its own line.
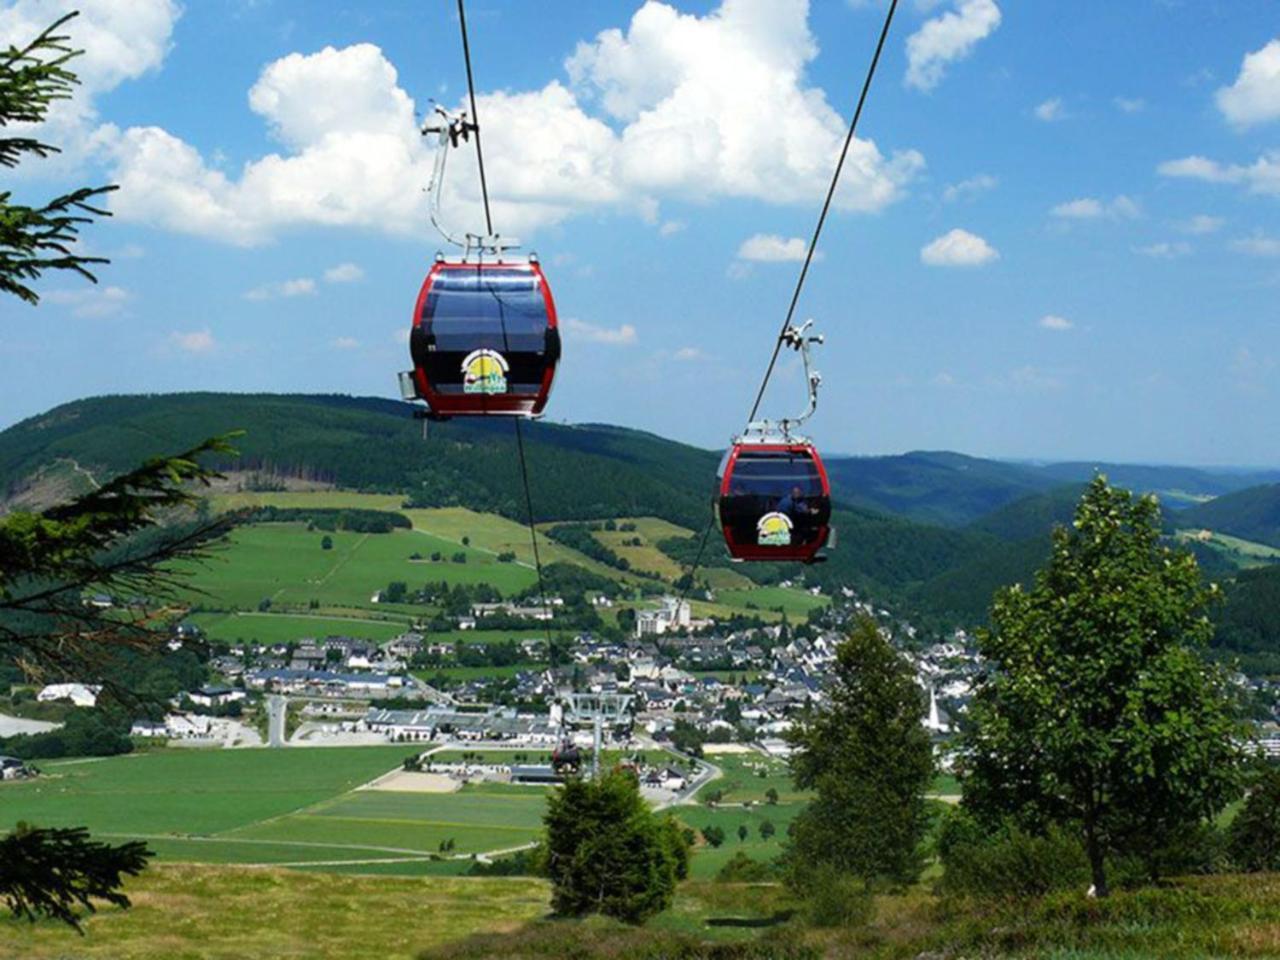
(107,541)
(607,852)
(35,239)
(51,872)
(868,759)
(1098,713)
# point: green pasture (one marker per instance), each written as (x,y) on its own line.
(1244,553)
(707,860)
(190,792)
(287,807)
(284,562)
(308,500)
(474,820)
(271,628)
(488,636)
(463,674)
(740,779)
(796,603)
(646,556)
(494,534)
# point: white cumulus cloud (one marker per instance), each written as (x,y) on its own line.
(1262,176)
(91,303)
(346,343)
(670,106)
(959,248)
(1053,322)
(1258,245)
(300,287)
(1201,224)
(947,38)
(1130,104)
(1255,96)
(121,41)
(1091,208)
(195,341)
(1164,250)
(771,248)
(344,273)
(1050,110)
(624,335)
(968,189)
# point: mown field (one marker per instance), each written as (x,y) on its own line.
(270,628)
(286,564)
(295,806)
(741,778)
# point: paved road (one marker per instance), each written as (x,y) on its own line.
(12,726)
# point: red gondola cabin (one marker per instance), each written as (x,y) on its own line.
(484,340)
(775,501)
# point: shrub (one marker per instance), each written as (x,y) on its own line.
(833,898)
(1254,837)
(742,869)
(1007,861)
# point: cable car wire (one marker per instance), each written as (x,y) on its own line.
(808,260)
(826,207)
(488,220)
(475,117)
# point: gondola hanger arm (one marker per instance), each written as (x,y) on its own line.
(451,130)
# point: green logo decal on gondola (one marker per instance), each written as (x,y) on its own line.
(774,530)
(484,371)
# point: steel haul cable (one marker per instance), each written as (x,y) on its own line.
(808,260)
(488,220)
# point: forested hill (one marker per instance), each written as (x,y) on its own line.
(1252,514)
(369,444)
(935,532)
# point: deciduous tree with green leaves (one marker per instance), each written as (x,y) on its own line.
(1097,711)
(869,761)
(119,539)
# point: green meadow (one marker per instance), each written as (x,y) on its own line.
(740,779)
(268,628)
(707,860)
(286,564)
(294,806)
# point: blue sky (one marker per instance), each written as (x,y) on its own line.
(1060,236)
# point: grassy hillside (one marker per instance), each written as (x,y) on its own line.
(227,913)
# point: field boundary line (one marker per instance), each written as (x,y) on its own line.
(344,560)
(259,842)
(430,823)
